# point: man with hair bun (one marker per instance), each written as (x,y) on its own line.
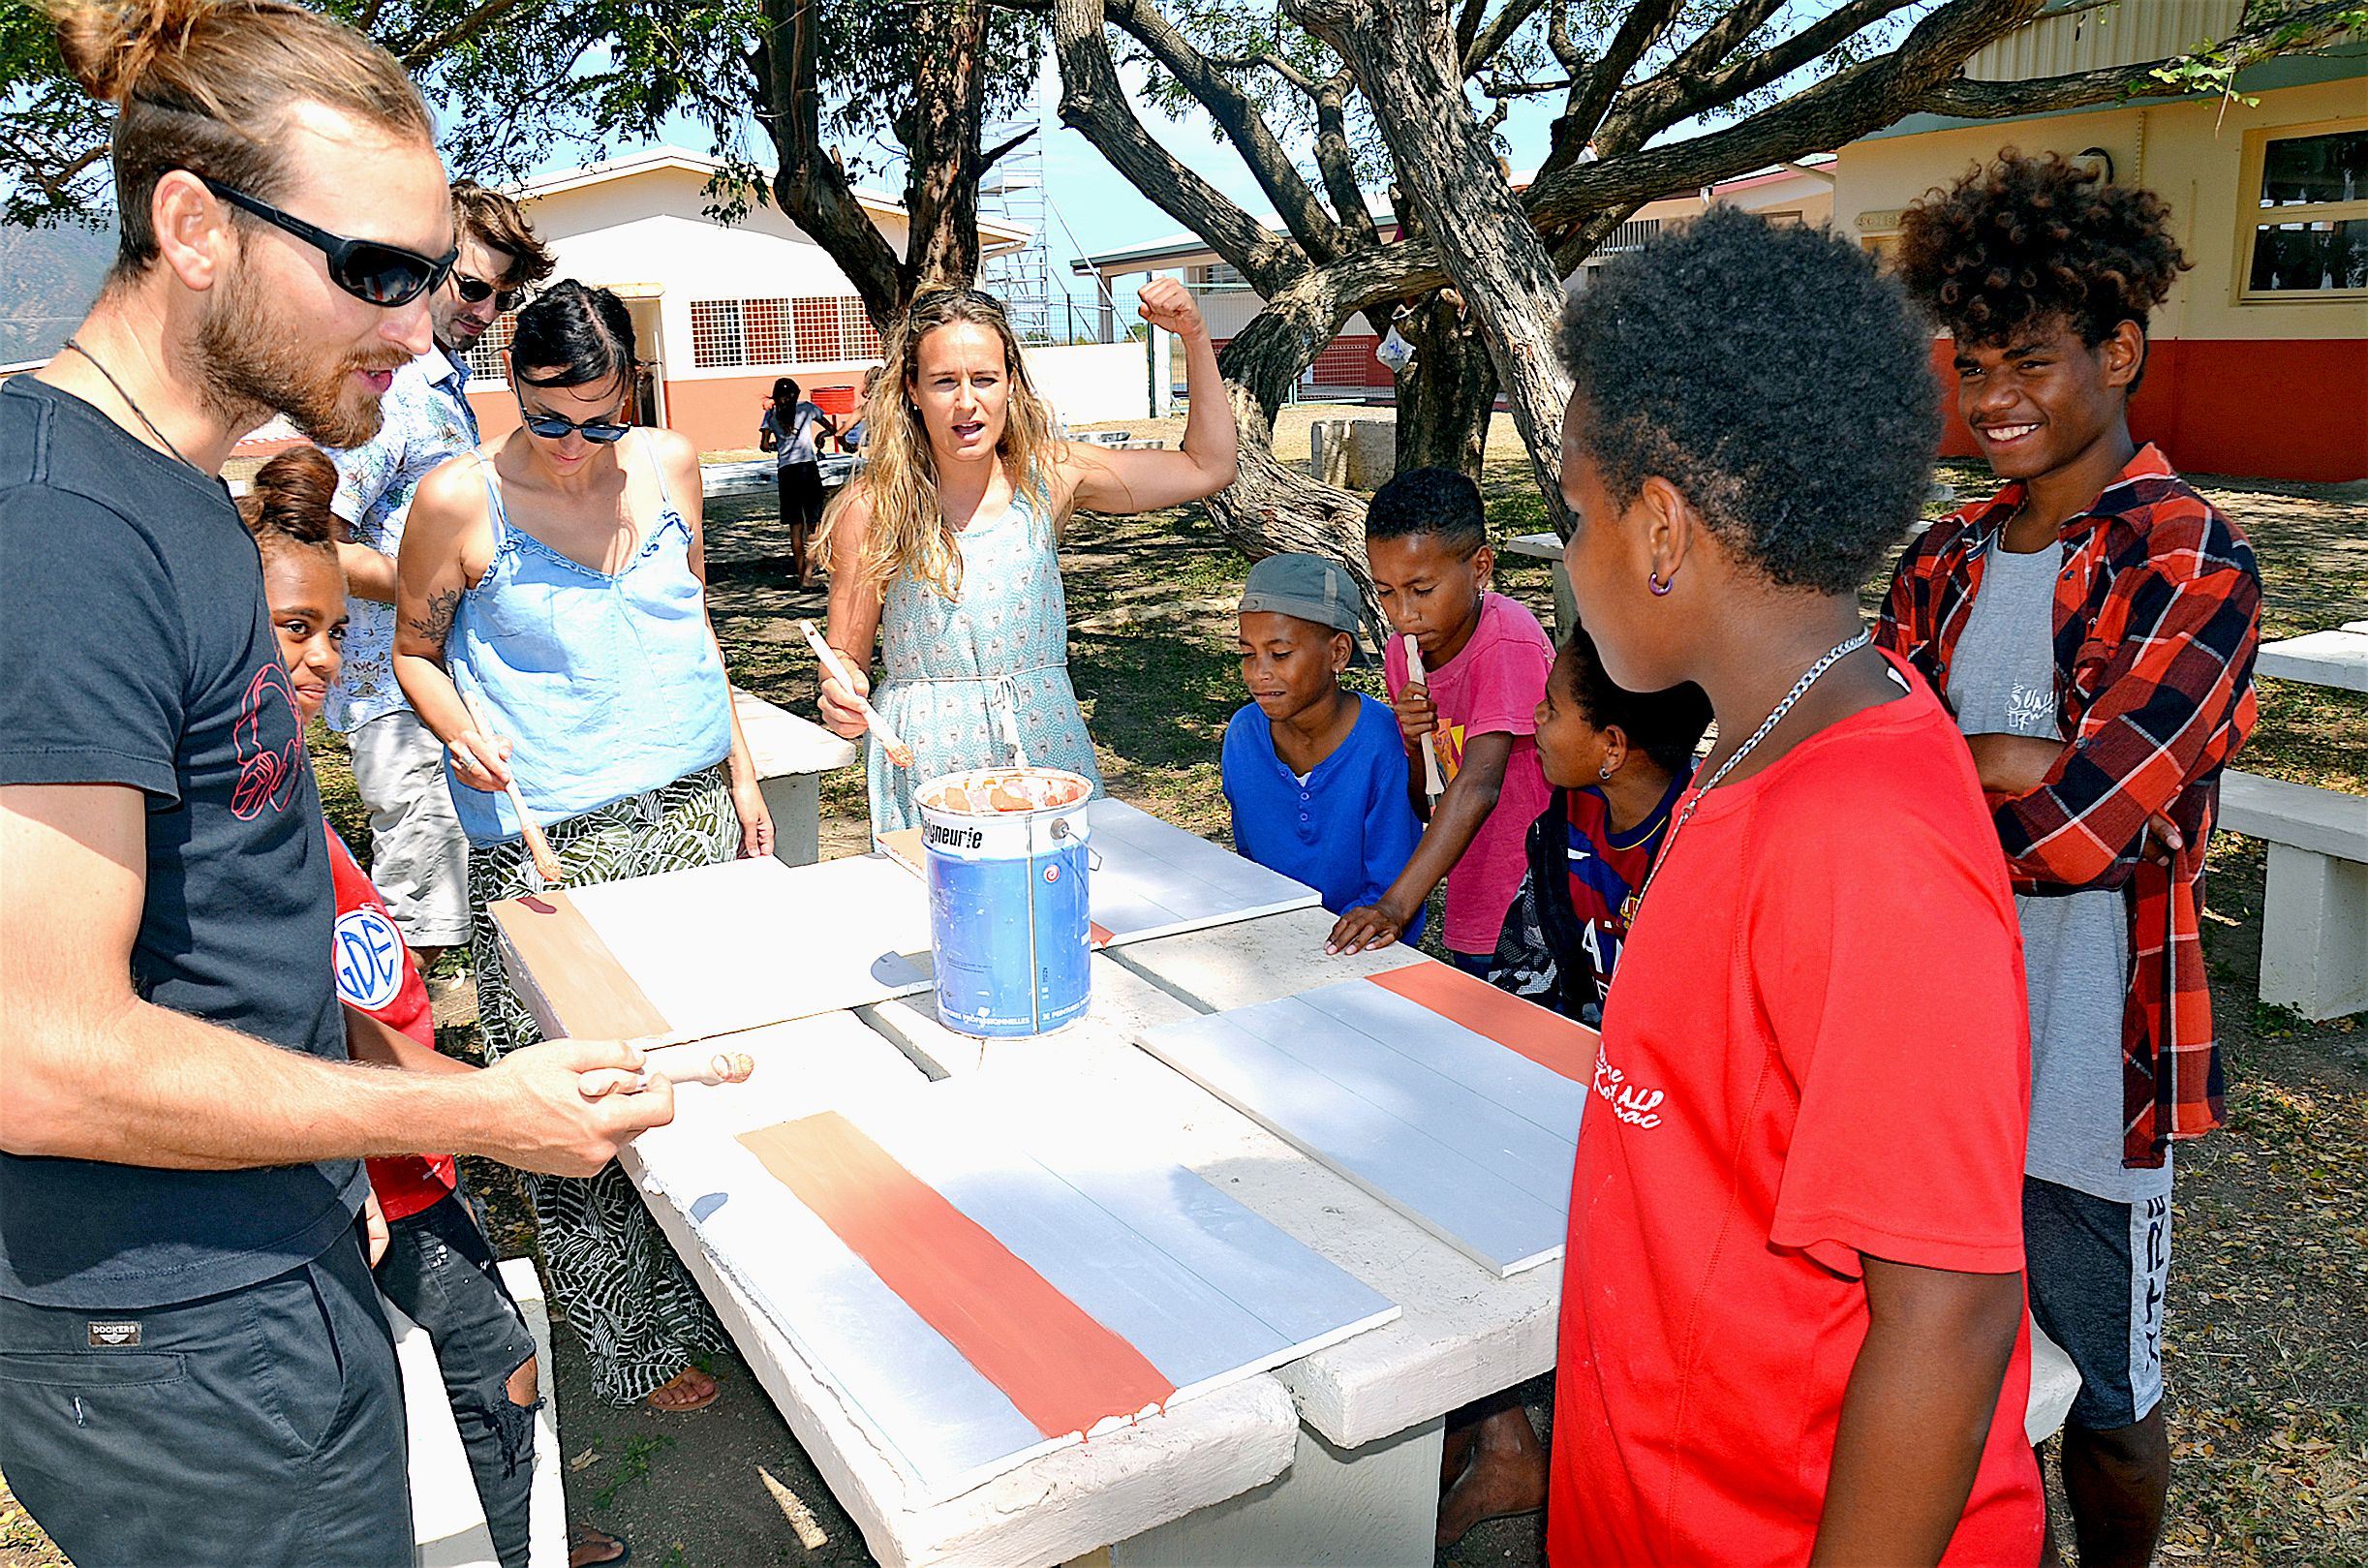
(419,855)
(2092,626)
(193,1369)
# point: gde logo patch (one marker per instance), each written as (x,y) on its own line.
(369,953)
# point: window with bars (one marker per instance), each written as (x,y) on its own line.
(815,330)
(484,360)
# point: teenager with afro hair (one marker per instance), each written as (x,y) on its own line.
(1792,1320)
(2092,626)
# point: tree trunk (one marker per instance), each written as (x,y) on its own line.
(1447,390)
(1272,507)
(1403,53)
(942,154)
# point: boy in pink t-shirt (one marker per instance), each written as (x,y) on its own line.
(1486,660)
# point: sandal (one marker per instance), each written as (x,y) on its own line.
(584,1543)
(678,1382)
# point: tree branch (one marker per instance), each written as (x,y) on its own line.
(1591,94)
(1093,101)
(1243,126)
(1337,161)
(1672,96)
(424,52)
(2308,28)
(1477,51)
(808,182)
(1840,109)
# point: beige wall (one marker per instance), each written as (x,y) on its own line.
(2194,154)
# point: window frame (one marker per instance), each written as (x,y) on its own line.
(2251,216)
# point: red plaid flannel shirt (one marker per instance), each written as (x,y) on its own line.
(2157,617)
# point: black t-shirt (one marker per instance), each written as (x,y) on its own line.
(137,650)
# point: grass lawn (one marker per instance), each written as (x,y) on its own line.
(2268,1320)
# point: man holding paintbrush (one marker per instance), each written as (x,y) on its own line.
(199,1371)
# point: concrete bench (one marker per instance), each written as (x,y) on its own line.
(447,1521)
(791,755)
(2315,910)
(1547,547)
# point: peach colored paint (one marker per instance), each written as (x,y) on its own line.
(586,988)
(1062,1369)
(1547,1038)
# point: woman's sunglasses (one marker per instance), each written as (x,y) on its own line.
(368,270)
(472,292)
(555,428)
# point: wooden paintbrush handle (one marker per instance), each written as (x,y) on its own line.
(1432,785)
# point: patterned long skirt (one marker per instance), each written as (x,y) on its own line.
(633,1305)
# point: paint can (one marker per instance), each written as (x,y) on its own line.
(1008,924)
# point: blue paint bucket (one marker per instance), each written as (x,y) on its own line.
(1008,923)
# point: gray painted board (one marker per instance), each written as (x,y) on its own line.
(1152,879)
(1471,1141)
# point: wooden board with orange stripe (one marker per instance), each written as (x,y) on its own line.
(1451,1101)
(980,1287)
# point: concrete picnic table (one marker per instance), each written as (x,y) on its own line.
(1331,1458)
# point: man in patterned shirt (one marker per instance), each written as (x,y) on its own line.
(2092,626)
(420,858)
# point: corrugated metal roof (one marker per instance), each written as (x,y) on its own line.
(2082,38)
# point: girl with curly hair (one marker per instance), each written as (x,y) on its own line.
(2092,626)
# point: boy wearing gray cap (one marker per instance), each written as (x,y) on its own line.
(1315,774)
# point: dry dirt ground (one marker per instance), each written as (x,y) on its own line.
(2269,1317)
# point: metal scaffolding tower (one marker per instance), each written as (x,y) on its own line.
(1034,297)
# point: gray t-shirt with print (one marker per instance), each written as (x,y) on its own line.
(2076,946)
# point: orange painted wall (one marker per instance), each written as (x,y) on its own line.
(2262,408)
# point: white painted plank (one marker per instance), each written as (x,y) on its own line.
(748,942)
(1380,1145)
(1530,1090)
(1153,880)
(448,1519)
(1503,1142)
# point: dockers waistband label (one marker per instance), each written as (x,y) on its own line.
(114,1336)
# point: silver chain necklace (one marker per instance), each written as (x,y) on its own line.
(1833,656)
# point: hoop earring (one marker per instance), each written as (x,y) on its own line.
(1604,772)
(1659,588)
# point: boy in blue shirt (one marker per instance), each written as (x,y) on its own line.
(1316,774)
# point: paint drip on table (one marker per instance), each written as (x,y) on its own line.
(1008,906)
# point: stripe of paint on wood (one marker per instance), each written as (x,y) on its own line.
(1063,1370)
(585,990)
(1546,1038)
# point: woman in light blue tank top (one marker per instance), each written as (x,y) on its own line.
(554,578)
(947,541)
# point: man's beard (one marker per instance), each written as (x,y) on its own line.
(253,364)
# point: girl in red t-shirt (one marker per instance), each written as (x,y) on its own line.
(1793,1324)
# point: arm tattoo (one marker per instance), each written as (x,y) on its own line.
(437,623)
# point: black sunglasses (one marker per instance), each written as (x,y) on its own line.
(472,291)
(555,426)
(368,270)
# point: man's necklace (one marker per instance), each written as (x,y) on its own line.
(1833,656)
(137,413)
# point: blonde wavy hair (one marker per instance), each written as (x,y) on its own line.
(909,534)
